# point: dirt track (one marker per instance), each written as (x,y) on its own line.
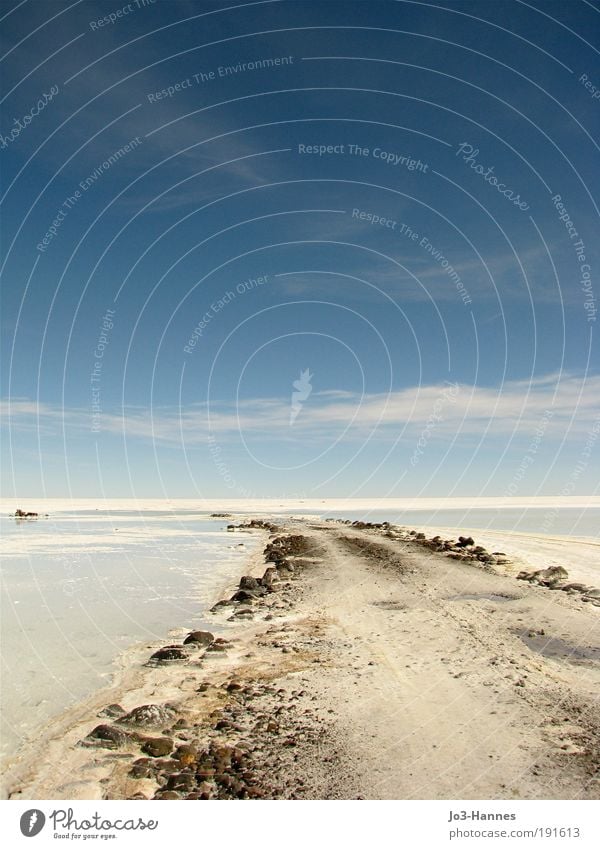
(437,696)
(368,673)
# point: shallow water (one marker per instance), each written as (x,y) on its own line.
(78,590)
(482,597)
(558,649)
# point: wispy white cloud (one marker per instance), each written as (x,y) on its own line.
(516,408)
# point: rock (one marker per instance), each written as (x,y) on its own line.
(221,754)
(249,583)
(107,737)
(592,593)
(220,604)
(580,588)
(148,716)
(204,790)
(545,577)
(463,541)
(216,648)
(552,575)
(186,755)
(245,595)
(112,711)
(203,638)
(143,768)
(157,747)
(167,794)
(167,655)
(269,578)
(182,782)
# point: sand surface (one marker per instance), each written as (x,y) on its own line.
(378,669)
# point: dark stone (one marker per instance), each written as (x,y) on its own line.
(269,578)
(143,768)
(545,577)
(186,754)
(181,781)
(148,716)
(463,541)
(216,648)
(249,583)
(246,595)
(552,575)
(107,737)
(203,638)
(112,711)
(158,747)
(167,655)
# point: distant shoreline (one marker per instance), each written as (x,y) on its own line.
(278,506)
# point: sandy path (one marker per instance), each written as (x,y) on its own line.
(382,681)
(454,704)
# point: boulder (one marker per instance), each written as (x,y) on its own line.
(157,747)
(143,768)
(249,583)
(244,595)
(545,577)
(269,578)
(168,655)
(551,575)
(186,755)
(148,716)
(202,638)
(183,782)
(112,711)
(463,541)
(107,737)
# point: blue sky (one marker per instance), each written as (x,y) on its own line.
(201,201)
